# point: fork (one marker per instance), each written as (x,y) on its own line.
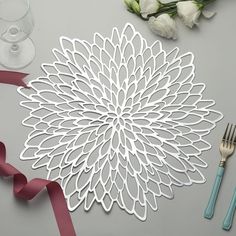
(227,147)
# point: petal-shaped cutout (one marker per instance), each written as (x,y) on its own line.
(42,161)
(127,200)
(82,48)
(128,31)
(66,44)
(172,55)
(137,43)
(157,95)
(98,40)
(84,179)
(93,156)
(60,56)
(140,211)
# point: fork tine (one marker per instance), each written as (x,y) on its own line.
(226,131)
(229,134)
(233,136)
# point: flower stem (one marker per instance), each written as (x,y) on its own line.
(164,9)
(205,2)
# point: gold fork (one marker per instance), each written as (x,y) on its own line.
(227,147)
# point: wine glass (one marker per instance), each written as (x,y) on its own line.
(16,24)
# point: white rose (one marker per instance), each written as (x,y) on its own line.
(163,25)
(148,7)
(189,12)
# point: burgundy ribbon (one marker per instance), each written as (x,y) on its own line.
(28,190)
(12,77)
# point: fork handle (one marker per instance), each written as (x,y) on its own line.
(209,211)
(230,213)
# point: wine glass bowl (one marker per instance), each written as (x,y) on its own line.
(16,24)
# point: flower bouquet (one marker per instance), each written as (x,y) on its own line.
(161,16)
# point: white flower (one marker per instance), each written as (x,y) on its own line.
(163,25)
(148,7)
(189,12)
(118,121)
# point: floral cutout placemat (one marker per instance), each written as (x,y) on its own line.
(118,121)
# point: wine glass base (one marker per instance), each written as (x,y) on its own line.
(13,58)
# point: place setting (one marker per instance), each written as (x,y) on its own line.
(118,120)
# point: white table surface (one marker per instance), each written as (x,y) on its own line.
(213,45)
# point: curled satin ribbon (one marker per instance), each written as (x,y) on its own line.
(28,190)
(13,77)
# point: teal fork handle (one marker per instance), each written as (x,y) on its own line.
(209,211)
(230,213)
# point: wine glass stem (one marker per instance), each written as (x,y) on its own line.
(15,48)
